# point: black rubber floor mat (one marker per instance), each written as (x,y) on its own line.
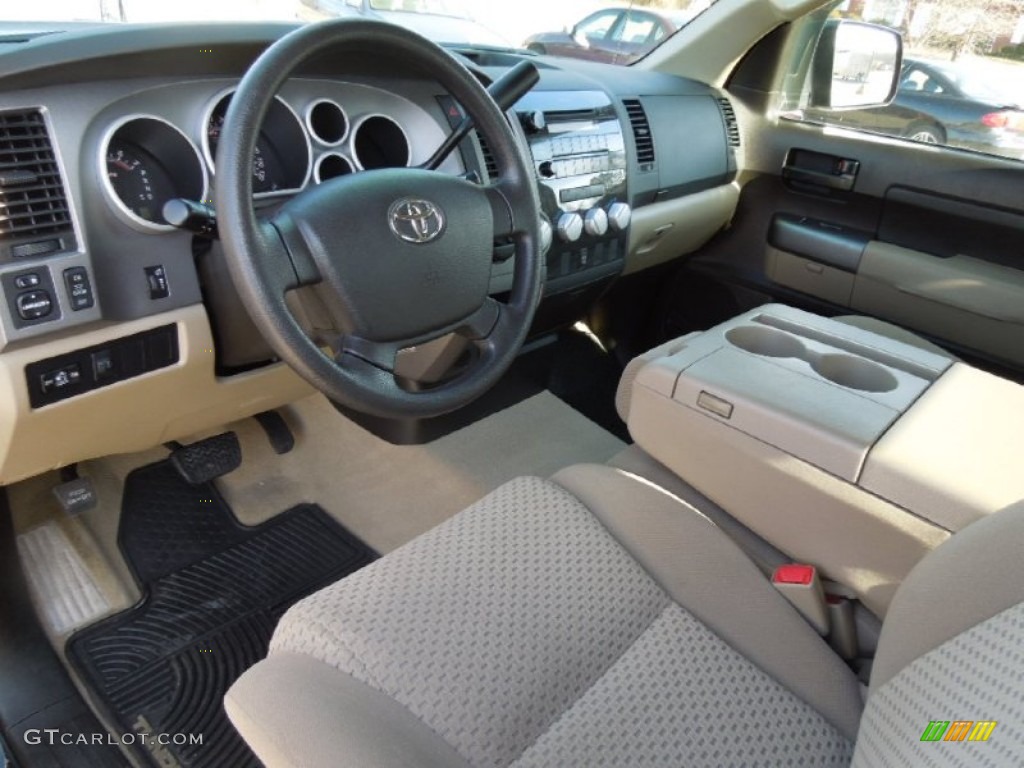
(213,591)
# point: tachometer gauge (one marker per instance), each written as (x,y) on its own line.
(146,162)
(138,180)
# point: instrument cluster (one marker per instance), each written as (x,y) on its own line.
(145,160)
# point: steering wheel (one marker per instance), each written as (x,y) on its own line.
(402,256)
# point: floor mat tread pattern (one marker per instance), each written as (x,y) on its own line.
(213,591)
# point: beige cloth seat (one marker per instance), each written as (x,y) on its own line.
(594,619)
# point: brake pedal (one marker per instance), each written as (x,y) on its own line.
(208,459)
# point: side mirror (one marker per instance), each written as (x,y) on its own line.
(855,65)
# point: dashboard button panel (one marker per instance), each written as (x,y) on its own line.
(30,297)
(58,378)
(76,280)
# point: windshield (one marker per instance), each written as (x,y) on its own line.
(597,30)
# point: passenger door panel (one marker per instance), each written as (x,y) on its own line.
(927,237)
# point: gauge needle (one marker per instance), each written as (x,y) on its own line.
(120,164)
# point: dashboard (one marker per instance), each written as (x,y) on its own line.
(101,126)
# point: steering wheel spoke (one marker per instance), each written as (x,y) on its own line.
(511,212)
(501,211)
(381,355)
(481,324)
(295,249)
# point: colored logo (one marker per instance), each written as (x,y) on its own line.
(958,730)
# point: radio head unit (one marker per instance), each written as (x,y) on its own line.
(579,155)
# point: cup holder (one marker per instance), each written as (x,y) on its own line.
(845,370)
(855,373)
(759,340)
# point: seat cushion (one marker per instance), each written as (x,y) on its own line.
(522,632)
(951,650)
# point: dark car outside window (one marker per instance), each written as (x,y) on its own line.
(962,93)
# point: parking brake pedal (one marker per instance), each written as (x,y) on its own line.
(75,494)
(208,459)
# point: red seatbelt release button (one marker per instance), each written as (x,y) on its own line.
(800,584)
(795,573)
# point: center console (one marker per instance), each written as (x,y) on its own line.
(579,155)
(579,159)
(845,449)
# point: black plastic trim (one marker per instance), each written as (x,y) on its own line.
(821,241)
(947,226)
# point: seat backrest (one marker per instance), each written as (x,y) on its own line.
(950,660)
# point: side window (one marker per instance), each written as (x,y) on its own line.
(916,79)
(598,26)
(978,73)
(636,29)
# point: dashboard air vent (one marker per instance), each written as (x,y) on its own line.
(732,128)
(33,203)
(490,165)
(641,133)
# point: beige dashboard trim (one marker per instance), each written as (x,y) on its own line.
(131,415)
(660,232)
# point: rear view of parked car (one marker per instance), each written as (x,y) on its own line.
(945,103)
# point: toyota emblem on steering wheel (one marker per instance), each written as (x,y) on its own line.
(415,220)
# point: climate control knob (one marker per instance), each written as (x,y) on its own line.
(595,222)
(570,227)
(619,216)
(547,235)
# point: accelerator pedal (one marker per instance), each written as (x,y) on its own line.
(276,428)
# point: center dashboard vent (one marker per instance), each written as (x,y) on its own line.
(641,133)
(732,128)
(34,214)
(490,165)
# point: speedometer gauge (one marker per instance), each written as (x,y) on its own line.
(146,162)
(282,158)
